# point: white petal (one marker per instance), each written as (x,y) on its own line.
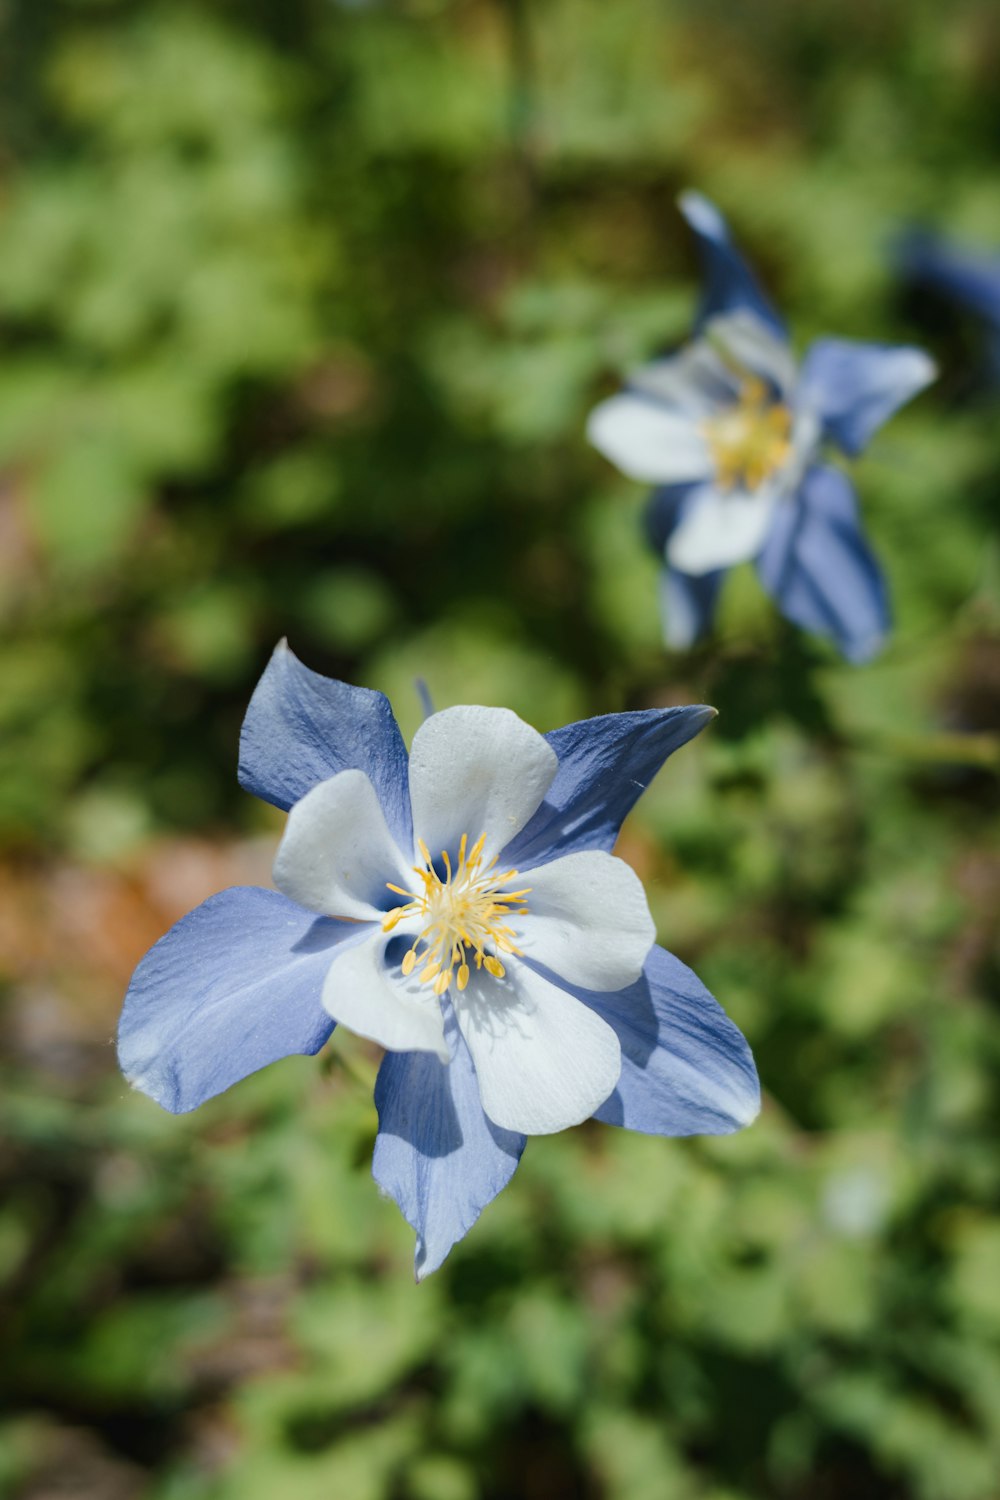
(720,530)
(647,441)
(544,1059)
(588,920)
(473,771)
(753,346)
(695,382)
(374,1000)
(337,853)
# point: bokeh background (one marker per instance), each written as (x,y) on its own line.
(302,308)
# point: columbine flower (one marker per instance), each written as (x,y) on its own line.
(731,431)
(460,907)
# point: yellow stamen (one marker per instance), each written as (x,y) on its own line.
(750,440)
(464,917)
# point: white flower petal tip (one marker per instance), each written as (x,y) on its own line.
(476,771)
(337,853)
(375,1001)
(721,530)
(544,1060)
(588,921)
(647,441)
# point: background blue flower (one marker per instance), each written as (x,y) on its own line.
(732,433)
(960,274)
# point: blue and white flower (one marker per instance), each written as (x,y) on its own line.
(731,431)
(461,907)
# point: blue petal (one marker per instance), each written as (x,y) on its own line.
(301,728)
(232,987)
(968,276)
(729,283)
(855,387)
(687,605)
(664,511)
(686,1068)
(436,1153)
(819,569)
(605,765)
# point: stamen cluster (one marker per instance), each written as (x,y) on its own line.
(750,439)
(465,917)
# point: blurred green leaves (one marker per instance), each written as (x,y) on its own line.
(302,308)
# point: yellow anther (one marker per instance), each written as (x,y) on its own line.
(463,918)
(751,439)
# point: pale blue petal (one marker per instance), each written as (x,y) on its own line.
(820,570)
(233,986)
(686,1068)
(437,1155)
(728,284)
(854,387)
(302,728)
(605,765)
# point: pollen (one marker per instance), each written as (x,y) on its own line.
(465,918)
(751,439)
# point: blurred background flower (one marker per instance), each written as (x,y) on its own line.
(731,430)
(302,308)
(968,278)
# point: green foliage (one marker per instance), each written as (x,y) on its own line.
(302,308)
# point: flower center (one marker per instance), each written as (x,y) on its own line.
(751,439)
(462,915)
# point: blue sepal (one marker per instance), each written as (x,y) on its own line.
(729,285)
(605,764)
(302,728)
(854,387)
(686,1068)
(820,571)
(437,1155)
(233,986)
